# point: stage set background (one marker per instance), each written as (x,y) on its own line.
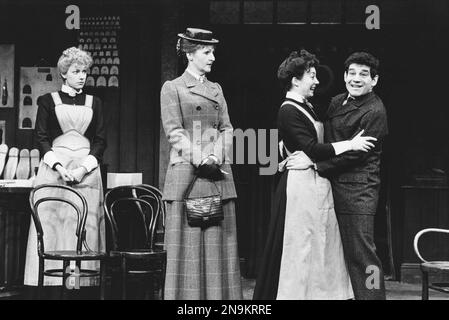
(413,83)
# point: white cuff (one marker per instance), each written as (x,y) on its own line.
(282,165)
(214,157)
(90,163)
(281,147)
(342,146)
(50,159)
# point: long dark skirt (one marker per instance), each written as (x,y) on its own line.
(268,274)
(202,264)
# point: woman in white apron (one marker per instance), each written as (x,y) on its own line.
(303,257)
(71,135)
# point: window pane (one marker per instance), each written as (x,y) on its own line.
(292,11)
(396,11)
(258,12)
(224,12)
(355,10)
(326,11)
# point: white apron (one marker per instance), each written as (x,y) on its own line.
(312,264)
(71,148)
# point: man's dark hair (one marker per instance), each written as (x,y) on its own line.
(366,59)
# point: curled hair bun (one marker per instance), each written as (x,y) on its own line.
(178,47)
(294,61)
(293,55)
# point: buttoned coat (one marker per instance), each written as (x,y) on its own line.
(196,123)
(355,176)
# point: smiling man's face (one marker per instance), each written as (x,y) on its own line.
(359,80)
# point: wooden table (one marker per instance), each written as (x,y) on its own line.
(15,215)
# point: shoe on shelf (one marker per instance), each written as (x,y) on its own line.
(3,154)
(23,168)
(34,161)
(11,164)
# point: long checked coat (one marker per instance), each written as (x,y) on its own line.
(202,264)
(196,122)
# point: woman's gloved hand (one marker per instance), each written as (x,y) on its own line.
(362,143)
(209,169)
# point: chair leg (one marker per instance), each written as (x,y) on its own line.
(64,288)
(164,266)
(124,277)
(425,285)
(40,279)
(149,287)
(102,280)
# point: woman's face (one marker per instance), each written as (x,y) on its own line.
(76,76)
(201,60)
(306,86)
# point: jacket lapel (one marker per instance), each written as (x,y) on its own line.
(339,109)
(207,89)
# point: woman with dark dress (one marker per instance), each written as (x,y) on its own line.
(303,257)
(72,138)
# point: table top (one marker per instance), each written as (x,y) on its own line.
(14,190)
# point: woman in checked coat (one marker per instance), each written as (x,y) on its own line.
(202,263)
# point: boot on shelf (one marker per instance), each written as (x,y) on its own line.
(23,168)
(11,164)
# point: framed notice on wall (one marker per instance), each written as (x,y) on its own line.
(6,75)
(34,82)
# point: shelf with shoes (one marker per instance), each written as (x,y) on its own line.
(99,36)
(17,167)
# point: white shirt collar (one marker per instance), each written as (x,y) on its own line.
(295,96)
(198,77)
(349,97)
(70,91)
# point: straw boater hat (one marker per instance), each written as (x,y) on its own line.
(198,35)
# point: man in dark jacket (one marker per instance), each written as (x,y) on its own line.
(355,176)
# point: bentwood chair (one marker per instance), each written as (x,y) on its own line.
(133,213)
(160,224)
(77,254)
(440,268)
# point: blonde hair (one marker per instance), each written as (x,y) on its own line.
(71,56)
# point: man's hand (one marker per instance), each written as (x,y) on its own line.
(299,161)
(78,174)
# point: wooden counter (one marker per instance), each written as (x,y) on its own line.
(15,215)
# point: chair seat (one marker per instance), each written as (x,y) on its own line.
(74,255)
(435,266)
(138,253)
(82,273)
